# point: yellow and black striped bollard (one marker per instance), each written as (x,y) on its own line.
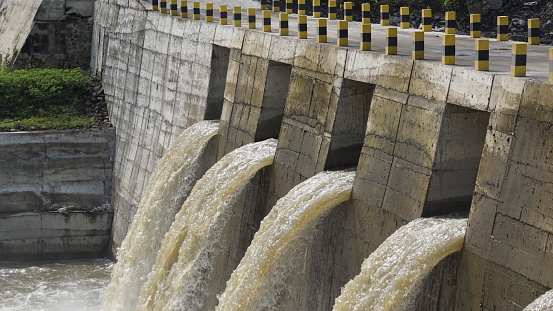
(342,38)
(418,45)
(450,22)
(404,21)
(391,41)
(276,5)
(365,37)
(173,8)
(384,15)
(209,12)
(448,56)
(163,6)
(550,65)
(482,61)
(348,11)
(223,14)
(262,5)
(283,18)
(237,16)
(534,31)
(184,9)
(366,13)
(426,20)
(518,59)
(302,7)
(196,11)
(251,18)
(266,15)
(502,28)
(289,6)
(321,30)
(155,5)
(302,27)
(475,26)
(331,9)
(316,8)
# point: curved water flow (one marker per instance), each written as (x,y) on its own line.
(169,186)
(542,303)
(184,265)
(278,247)
(395,269)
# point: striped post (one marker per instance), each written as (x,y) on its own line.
(276,5)
(155,5)
(251,18)
(502,28)
(482,61)
(237,16)
(321,30)
(209,12)
(404,22)
(196,11)
(316,8)
(262,5)
(302,7)
(173,8)
(384,15)
(302,27)
(348,11)
(266,15)
(426,20)
(366,13)
(163,6)
(223,14)
(331,9)
(534,31)
(391,41)
(342,37)
(450,22)
(184,9)
(365,44)
(283,19)
(448,56)
(289,6)
(475,26)
(418,45)
(518,59)
(550,65)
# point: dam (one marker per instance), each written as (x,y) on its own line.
(405,140)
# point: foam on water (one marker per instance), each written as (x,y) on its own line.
(395,269)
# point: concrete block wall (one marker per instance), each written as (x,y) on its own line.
(157,72)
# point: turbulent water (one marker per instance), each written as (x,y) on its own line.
(390,274)
(258,281)
(543,303)
(168,187)
(64,286)
(184,264)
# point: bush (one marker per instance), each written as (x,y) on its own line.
(34,92)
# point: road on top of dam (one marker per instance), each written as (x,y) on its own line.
(500,52)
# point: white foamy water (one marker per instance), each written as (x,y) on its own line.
(64,286)
(278,247)
(390,274)
(543,303)
(167,189)
(184,265)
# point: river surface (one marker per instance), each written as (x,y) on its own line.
(48,286)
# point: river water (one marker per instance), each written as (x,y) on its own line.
(48,286)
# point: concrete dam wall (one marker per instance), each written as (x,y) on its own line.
(426,140)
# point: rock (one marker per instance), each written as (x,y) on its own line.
(495,4)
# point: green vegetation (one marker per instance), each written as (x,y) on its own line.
(43,98)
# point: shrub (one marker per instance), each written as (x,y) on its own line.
(33,92)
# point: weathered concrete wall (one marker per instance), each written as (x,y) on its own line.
(16,20)
(38,169)
(45,236)
(432,135)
